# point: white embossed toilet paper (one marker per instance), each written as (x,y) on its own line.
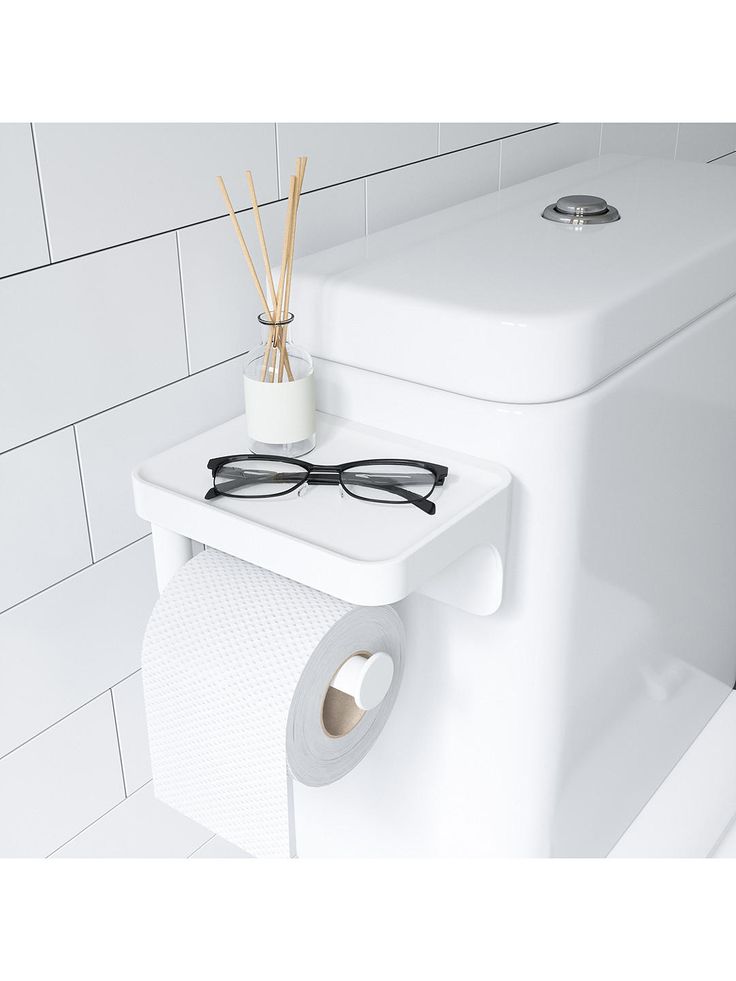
(237,664)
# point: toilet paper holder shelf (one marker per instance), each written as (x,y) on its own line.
(366,554)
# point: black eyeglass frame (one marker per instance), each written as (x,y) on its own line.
(324,475)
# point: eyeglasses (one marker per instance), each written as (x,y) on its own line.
(382,481)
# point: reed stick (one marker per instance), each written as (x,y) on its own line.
(278,309)
(301,166)
(287,281)
(261,237)
(272,344)
(285,248)
(244,247)
(269,344)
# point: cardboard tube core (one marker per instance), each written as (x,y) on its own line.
(340,712)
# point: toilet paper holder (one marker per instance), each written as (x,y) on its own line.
(366,677)
(366,555)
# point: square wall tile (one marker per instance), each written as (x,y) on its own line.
(640,139)
(108,183)
(68,644)
(410,192)
(139,827)
(221,303)
(43,532)
(84,335)
(22,233)
(343,151)
(548,149)
(113,443)
(59,782)
(130,713)
(454,136)
(704,141)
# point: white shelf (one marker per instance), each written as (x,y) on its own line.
(367,554)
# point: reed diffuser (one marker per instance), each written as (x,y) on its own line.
(279,375)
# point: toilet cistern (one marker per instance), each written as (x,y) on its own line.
(367,677)
(581,209)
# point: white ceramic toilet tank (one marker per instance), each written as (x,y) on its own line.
(596,363)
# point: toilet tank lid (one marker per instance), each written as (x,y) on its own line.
(489,299)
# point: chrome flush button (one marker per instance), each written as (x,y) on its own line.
(581,209)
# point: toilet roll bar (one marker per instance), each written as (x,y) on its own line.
(366,554)
(367,677)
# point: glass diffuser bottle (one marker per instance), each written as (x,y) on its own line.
(279,393)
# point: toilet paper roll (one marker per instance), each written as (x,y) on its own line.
(237,664)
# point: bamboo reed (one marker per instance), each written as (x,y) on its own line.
(281,311)
(287,285)
(277,310)
(243,246)
(261,236)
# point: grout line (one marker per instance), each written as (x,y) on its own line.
(278,157)
(722,156)
(51,726)
(439,139)
(40,191)
(117,405)
(199,847)
(122,548)
(117,738)
(132,673)
(68,714)
(500,165)
(88,826)
(51,585)
(71,575)
(240,211)
(183,305)
(84,496)
(600,141)
(365,205)
(677,142)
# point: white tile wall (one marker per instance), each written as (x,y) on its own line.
(141,828)
(81,336)
(220,303)
(130,714)
(43,532)
(454,136)
(106,183)
(59,782)
(704,141)
(97,347)
(409,192)
(63,647)
(114,442)
(343,151)
(644,139)
(22,234)
(544,150)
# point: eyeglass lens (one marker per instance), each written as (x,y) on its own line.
(258,478)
